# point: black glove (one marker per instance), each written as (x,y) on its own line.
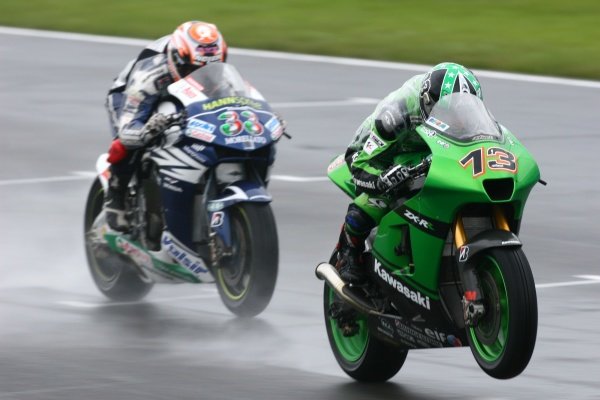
(392,178)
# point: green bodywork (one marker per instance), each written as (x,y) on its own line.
(448,188)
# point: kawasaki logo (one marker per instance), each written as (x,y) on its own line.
(418,220)
(412,295)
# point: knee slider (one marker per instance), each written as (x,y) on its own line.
(357,221)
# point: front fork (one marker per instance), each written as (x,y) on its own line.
(472,301)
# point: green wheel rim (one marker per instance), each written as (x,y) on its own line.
(491,333)
(235,282)
(350,348)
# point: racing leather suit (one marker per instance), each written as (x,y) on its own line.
(388,131)
(131,101)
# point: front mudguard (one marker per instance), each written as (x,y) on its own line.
(240,192)
(466,256)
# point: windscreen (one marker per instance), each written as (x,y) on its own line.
(464,117)
(218,80)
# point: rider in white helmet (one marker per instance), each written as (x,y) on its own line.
(136,93)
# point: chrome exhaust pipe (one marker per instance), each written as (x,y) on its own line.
(327,272)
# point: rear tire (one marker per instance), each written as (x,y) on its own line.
(114,274)
(504,339)
(362,356)
(246,279)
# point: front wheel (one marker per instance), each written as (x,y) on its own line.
(246,278)
(114,275)
(504,338)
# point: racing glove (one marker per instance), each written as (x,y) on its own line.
(392,178)
(154,127)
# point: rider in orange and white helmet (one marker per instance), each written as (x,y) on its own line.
(135,94)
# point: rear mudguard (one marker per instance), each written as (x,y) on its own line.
(243,191)
(467,254)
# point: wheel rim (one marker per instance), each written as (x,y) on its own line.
(350,348)
(107,273)
(491,333)
(234,272)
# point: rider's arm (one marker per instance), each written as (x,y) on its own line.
(146,83)
(383,134)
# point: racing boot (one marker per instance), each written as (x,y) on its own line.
(114,202)
(350,261)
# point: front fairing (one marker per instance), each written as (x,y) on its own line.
(235,122)
(482,166)
(480,171)
(461,175)
(224,110)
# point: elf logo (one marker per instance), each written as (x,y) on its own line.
(412,295)
(418,220)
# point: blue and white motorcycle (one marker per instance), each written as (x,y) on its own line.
(198,203)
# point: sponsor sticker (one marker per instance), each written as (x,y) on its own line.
(275,127)
(243,101)
(198,134)
(429,132)
(217,219)
(445,145)
(246,139)
(464,254)
(339,160)
(413,295)
(370,146)
(201,125)
(183,257)
(137,254)
(378,141)
(436,123)
(273,124)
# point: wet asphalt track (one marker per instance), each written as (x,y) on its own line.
(60,339)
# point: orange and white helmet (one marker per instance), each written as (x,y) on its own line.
(193,45)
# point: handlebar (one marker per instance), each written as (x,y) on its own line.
(420,168)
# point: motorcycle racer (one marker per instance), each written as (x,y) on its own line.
(135,94)
(388,131)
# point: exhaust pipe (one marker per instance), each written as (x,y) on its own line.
(329,274)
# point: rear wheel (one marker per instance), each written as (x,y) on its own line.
(362,356)
(114,274)
(503,340)
(246,278)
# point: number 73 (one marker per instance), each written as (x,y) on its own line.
(495,158)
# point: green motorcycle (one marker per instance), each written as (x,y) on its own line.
(445,265)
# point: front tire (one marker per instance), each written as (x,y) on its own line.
(503,340)
(246,279)
(114,274)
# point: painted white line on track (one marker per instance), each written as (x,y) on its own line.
(354,101)
(87,304)
(289,178)
(303,57)
(587,280)
(85,175)
(41,180)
